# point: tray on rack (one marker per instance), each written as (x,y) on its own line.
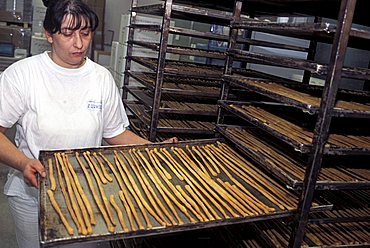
(303,97)
(180,85)
(295,63)
(289,168)
(260,115)
(318,31)
(183,68)
(159,188)
(170,123)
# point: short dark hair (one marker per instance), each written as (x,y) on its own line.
(58,9)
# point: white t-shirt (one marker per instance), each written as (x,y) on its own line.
(57,108)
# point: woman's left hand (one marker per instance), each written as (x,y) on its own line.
(171,140)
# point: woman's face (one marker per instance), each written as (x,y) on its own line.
(69,47)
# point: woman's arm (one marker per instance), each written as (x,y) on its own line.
(12,157)
(130,138)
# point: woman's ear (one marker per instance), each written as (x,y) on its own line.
(49,37)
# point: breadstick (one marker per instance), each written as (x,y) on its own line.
(100,187)
(140,225)
(81,192)
(201,166)
(202,202)
(212,185)
(95,196)
(162,190)
(213,173)
(194,182)
(127,205)
(119,213)
(113,170)
(57,209)
(96,168)
(133,188)
(151,192)
(250,181)
(71,195)
(66,198)
(86,222)
(257,202)
(159,217)
(174,190)
(187,161)
(105,173)
(51,175)
(192,203)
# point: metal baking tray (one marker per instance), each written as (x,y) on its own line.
(308,99)
(302,64)
(270,157)
(180,86)
(300,143)
(53,232)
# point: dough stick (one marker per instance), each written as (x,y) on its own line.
(96,168)
(140,225)
(113,170)
(105,173)
(203,169)
(171,162)
(81,192)
(213,173)
(57,209)
(252,182)
(100,187)
(154,196)
(162,190)
(211,159)
(171,196)
(159,217)
(192,181)
(146,205)
(135,191)
(241,201)
(209,184)
(169,166)
(187,162)
(174,190)
(86,222)
(119,213)
(66,198)
(95,196)
(128,210)
(51,175)
(251,197)
(199,198)
(71,195)
(192,203)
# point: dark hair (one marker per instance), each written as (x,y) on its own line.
(57,9)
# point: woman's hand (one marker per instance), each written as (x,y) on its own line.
(30,170)
(171,140)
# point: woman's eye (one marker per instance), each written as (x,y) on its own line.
(85,33)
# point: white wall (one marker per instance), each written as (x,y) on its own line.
(113,11)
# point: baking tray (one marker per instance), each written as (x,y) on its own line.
(52,231)
(344,175)
(301,138)
(301,64)
(305,98)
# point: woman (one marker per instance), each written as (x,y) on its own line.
(58,99)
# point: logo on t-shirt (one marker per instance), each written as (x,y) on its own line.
(94,105)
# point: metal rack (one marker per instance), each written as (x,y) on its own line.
(301,161)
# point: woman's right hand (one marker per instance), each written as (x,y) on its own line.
(30,170)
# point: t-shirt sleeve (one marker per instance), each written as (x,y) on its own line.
(12,103)
(114,114)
